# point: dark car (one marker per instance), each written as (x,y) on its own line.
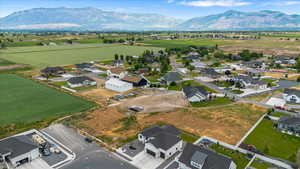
(89,140)
(46,152)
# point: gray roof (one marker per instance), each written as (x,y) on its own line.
(172,77)
(210,71)
(199,157)
(79,79)
(17,146)
(83,65)
(212,161)
(164,140)
(292,92)
(154,130)
(190,91)
(249,79)
(289,120)
(52,69)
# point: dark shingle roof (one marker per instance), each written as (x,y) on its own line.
(52,69)
(79,79)
(190,91)
(210,71)
(289,120)
(17,146)
(292,92)
(172,77)
(164,140)
(83,65)
(212,161)
(153,130)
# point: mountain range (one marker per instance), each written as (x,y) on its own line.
(97,19)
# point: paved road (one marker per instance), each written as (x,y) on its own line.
(88,156)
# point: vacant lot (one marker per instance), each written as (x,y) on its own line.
(42,56)
(23,100)
(227,123)
(156,102)
(273,142)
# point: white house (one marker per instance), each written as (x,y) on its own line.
(118,85)
(81,81)
(19,150)
(196,157)
(291,95)
(117,73)
(161,142)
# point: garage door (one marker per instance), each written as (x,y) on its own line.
(150,152)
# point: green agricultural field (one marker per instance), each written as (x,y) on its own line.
(187,42)
(43,56)
(24,101)
(273,142)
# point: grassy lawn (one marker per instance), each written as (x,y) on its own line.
(280,145)
(237,91)
(214,102)
(42,56)
(186,42)
(260,165)
(278,114)
(187,137)
(25,101)
(239,159)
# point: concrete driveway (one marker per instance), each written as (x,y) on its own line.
(285,84)
(146,161)
(88,155)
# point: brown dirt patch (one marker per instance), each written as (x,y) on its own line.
(156,102)
(10,67)
(227,123)
(99,95)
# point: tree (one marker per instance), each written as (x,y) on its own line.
(227,72)
(238,85)
(116,57)
(173,84)
(121,57)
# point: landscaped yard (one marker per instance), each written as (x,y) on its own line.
(239,159)
(179,86)
(24,101)
(214,102)
(273,142)
(43,56)
(260,165)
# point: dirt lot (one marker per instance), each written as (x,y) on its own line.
(99,95)
(264,97)
(10,67)
(227,123)
(156,102)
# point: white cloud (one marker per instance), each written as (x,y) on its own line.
(209,3)
(292,3)
(170,1)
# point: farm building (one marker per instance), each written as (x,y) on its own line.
(18,150)
(117,73)
(195,157)
(291,95)
(137,81)
(118,85)
(161,142)
(81,81)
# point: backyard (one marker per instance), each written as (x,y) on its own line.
(24,101)
(274,143)
(43,56)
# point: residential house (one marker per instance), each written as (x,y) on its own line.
(117,73)
(136,81)
(255,64)
(19,150)
(196,94)
(196,157)
(118,63)
(118,85)
(161,142)
(81,81)
(253,72)
(171,77)
(210,72)
(199,65)
(52,71)
(291,95)
(289,124)
(249,82)
(155,66)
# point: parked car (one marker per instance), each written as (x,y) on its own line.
(88,140)
(46,152)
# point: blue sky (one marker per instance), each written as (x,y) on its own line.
(177,8)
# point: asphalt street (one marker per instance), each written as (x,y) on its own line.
(88,155)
